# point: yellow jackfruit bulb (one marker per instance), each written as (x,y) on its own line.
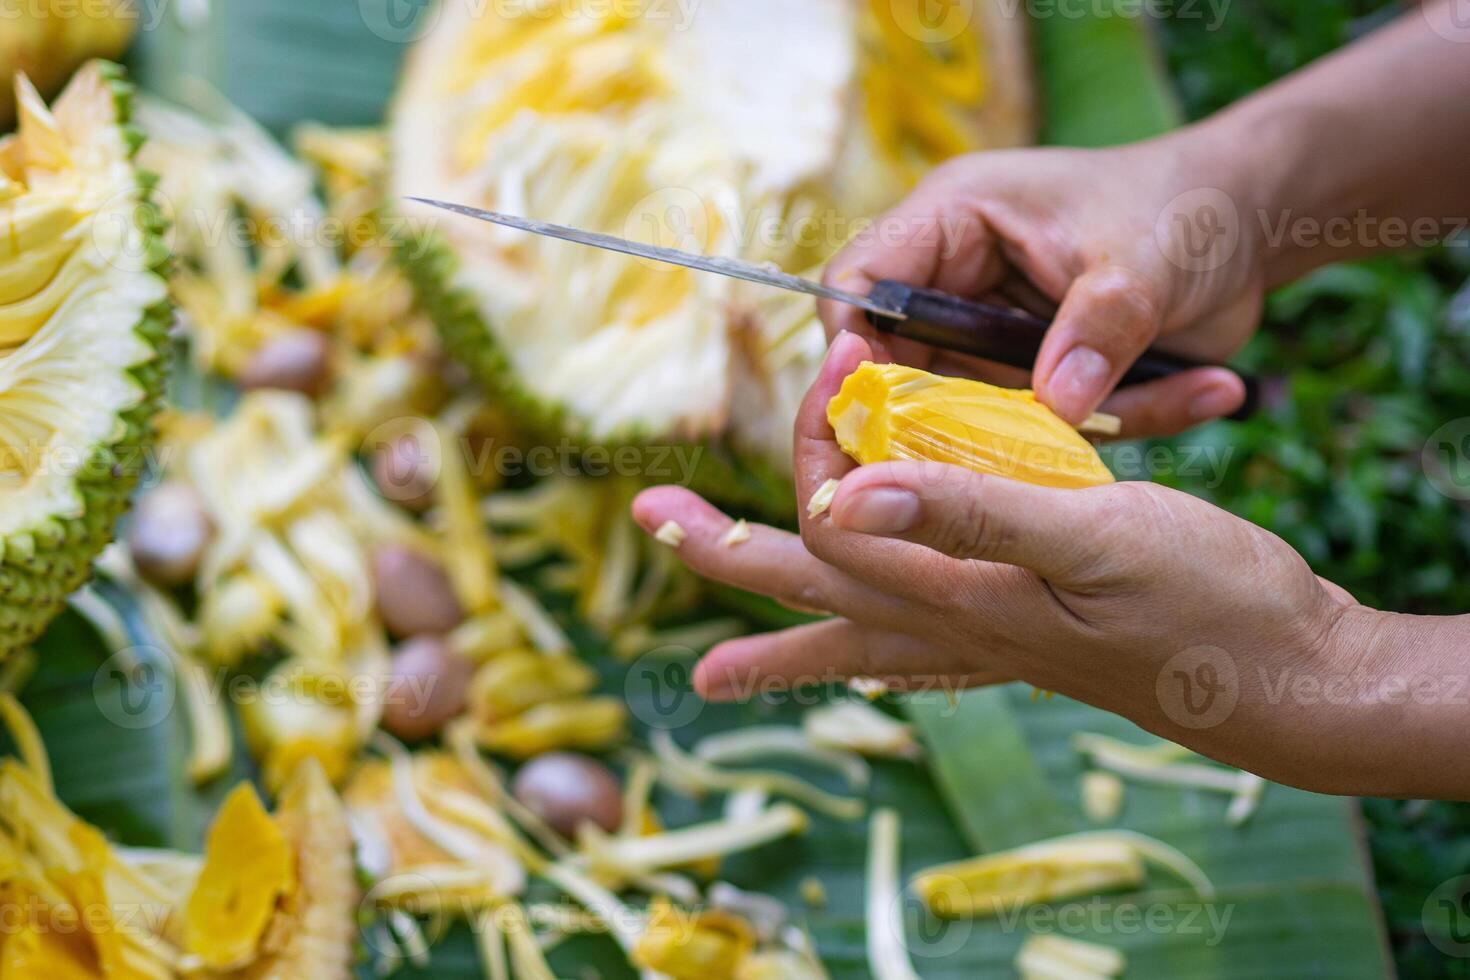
(685,946)
(997,883)
(892,412)
(589,724)
(248,868)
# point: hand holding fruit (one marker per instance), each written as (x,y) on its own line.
(941,576)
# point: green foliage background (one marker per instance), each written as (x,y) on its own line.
(1373,357)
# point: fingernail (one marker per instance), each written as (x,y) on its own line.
(884,510)
(1079,380)
(1212,403)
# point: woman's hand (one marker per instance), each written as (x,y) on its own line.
(1121,238)
(1174,240)
(1132,597)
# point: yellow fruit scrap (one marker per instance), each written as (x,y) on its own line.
(1062,867)
(859,727)
(690,946)
(76,903)
(248,869)
(429,812)
(1165,763)
(586,523)
(591,724)
(671,533)
(302,712)
(821,499)
(780,964)
(1049,957)
(469,557)
(888,957)
(295,525)
(627,858)
(991,885)
(739,533)
(22,728)
(1102,796)
(518,680)
(892,412)
(226,165)
(312,936)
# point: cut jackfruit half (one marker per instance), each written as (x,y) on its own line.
(757,129)
(83,315)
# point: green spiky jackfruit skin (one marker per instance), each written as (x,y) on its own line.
(41,567)
(721,473)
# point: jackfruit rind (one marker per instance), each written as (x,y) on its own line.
(81,375)
(248,869)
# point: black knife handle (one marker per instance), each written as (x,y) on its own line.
(1006,336)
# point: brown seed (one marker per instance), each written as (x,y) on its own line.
(405,472)
(168,534)
(414,594)
(426,688)
(298,360)
(566,790)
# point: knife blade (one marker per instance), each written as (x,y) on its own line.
(996,333)
(719,265)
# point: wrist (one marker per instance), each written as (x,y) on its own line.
(1403,690)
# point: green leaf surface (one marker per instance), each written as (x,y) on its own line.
(1101,79)
(1293,881)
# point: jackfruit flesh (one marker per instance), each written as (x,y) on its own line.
(248,868)
(83,313)
(893,412)
(680,128)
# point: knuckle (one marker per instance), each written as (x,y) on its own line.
(817,541)
(812,596)
(1125,299)
(1127,510)
(966,530)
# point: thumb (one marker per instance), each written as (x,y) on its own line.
(1107,319)
(1058,533)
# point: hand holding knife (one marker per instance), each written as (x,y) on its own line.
(985,330)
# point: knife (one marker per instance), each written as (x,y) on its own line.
(939,319)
